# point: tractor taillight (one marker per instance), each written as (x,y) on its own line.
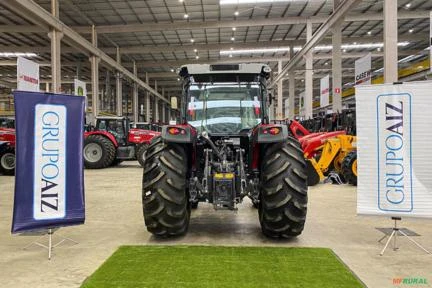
(176,131)
(272,131)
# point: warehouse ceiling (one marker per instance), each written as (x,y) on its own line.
(161,35)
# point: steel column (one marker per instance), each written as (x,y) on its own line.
(390,41)
(279,114)
(308,100)
(147,100)
(55,37)
(95,77)
(291,89)
(337,63)
(119,87)
(135,95)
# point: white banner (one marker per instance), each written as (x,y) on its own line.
(27,75)
(393,148)
(286,108)
(325,91)
(363,70)
(81,90)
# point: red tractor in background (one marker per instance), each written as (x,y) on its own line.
(113,141)
(7,151)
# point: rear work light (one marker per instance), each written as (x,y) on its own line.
(272,131)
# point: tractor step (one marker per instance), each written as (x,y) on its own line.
(126,152)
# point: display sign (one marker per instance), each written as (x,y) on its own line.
(81,90)
(325,91)
(27,75)
(393,144)
(301,104)
(363,70)
(49,181)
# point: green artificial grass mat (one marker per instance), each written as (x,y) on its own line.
(218,266)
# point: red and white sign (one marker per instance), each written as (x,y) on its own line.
(27,75)
(363,71)
(337,90)
(325,91)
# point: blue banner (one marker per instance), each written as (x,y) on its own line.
(49,176)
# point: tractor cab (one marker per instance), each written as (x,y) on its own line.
(117,126)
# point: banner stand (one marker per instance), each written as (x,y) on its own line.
(50,246)
(394,234)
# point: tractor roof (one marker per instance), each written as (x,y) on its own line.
(110,117)
(246,72)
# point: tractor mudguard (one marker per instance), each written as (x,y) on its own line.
(179,133)
(103,133)
(271,133)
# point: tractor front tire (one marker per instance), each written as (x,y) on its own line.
(349,167)
(140,154)
(283,206)
(7,161)
(166,206)
(99,152)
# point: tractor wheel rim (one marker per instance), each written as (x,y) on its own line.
(354,167)
(92,152)
(8,161)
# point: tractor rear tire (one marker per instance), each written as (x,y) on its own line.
(99,152)
(140,154)
(7,161)
(349,167)
(283,206)
(166,206)
(313,177)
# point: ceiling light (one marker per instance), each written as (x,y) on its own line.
(230,55)
(234,28)
(172,70)
(236,13)
(195,50)
(17,54)
(326,63)
(408,5)
(344,50)
(186,16)
(228,2)
(411,30)
(232,39)
(253,51)
(231,48)
(355,43)
(378,49)
(369,32)
(192,40)
(178,79)
(181,1)
(197,57)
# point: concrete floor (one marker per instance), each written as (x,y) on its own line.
(114,217)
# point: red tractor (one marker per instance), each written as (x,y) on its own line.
(222,149)
(7,151)
(112,141)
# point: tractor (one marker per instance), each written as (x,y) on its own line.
(7,151)
(112,141)
(223,149)
(7,158)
